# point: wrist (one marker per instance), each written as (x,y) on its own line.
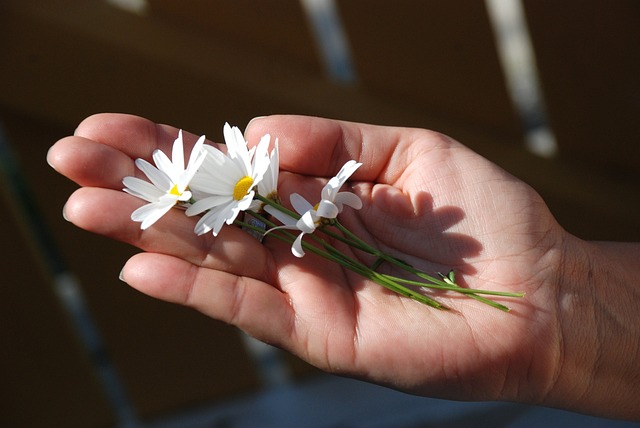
(599,330)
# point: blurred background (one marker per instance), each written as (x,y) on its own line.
(548,90)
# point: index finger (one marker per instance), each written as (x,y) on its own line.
(319,147)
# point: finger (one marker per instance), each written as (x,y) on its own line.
(133,135)
(317,146)
(101,152)
(89,163)
(252,305)
(107,212)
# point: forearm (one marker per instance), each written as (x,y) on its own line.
(599,321)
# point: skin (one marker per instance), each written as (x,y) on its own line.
(572,342)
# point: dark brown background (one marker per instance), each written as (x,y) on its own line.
(197,64)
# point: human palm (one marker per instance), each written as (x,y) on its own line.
(428,200)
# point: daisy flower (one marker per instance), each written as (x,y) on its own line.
(331,204)
(169,181)
(226,183)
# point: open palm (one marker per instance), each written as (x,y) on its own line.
(427,200)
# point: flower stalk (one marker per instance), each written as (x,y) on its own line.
(394,283)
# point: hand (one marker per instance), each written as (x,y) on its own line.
(427,200)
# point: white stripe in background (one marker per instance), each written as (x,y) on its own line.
(517,56)
(66,287)
(139,7)
(331,39)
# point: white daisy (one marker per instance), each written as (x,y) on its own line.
(333,200)
(331,204)
(226,182)
(169,181)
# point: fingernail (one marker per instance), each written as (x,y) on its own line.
(49,161)
(121,276)
(64,214)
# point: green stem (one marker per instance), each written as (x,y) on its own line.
(335,255)
(458,289)
(388,281)
(437,283)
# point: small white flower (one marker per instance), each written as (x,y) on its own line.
(169,181)
(333,200)
(226,182)
(331,204)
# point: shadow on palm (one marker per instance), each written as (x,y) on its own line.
(408,228)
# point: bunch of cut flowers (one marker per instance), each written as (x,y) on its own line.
(219,186)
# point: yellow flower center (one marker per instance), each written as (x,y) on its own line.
(323,220)
(242,187)
(174,190)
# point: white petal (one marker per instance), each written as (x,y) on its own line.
(245,203)
(212,184)
(214,156)
(296,248)
(184,196)
(229,138)
(300,204)
(142,189)
(327,209)
(198,149)
(207,204)
(307,222)
(165,165)
(214,175)
(198,155)
(219,217)
(239,167)
(237,146)
(330,190)
(230,213)
(202,227)
(143,212)
(197,195)
(269,183)
(150,213)
(283,218)
(157,177)
(177,153)
(218,173)
(261,159)
(347,170)
(149,221)
(348,198)
(211,221)
(168,198)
